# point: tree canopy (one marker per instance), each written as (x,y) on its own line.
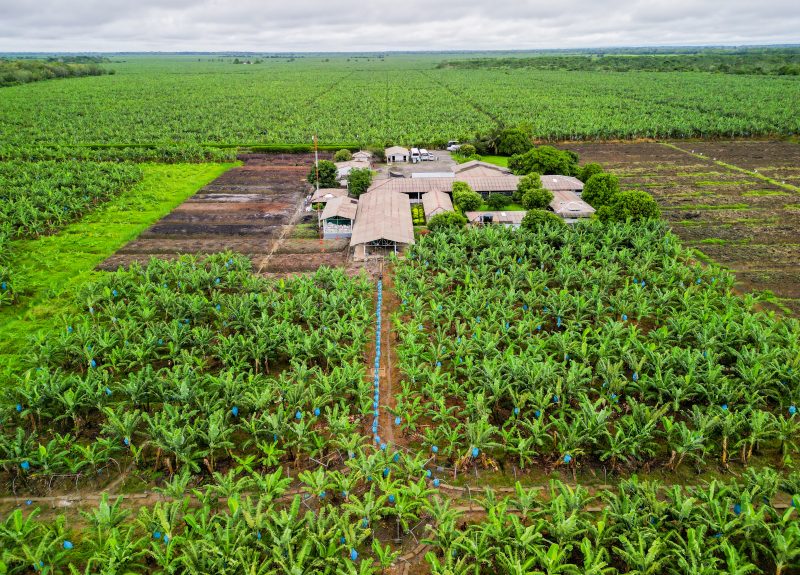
(544,160)
(446,220)
(513,141)
(359,181)
(537,198)
(343,155)
(498,201)
(600,190)
(464,198)
(327,174)
(630,205)
(536,219)
(588,171)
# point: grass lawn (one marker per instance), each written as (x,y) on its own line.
(509,208)
(496,160)
(52,268)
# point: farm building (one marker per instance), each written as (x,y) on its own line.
(436,202)
(508,219)
(324,195)
(414,188)
(432,175)
(570,206)
(338,217)
(383,224)
(562,184)
(478,169)
(397,154)
(343,168)
(362,156)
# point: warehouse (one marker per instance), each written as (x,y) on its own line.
(383,224)
(562,184)
(414,188)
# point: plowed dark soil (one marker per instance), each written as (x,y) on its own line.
(250,209)
(736,201)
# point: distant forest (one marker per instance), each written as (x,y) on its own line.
(759,61)
(23,71)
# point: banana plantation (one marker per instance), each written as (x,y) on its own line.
(209,420)
(38,198)
(603,347)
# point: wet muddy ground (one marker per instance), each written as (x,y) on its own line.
(253,209)
(736,201)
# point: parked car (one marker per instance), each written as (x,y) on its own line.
(426,156)
(453,146)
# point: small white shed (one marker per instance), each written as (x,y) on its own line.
(397,154)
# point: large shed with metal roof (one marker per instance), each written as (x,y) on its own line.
(383,224)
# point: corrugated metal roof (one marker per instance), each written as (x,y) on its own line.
(383,215)
(472,164)
(326,194)
(554,183)
(396,150)
(435,202)
(568,205)
(342,207)
(353,164)
(423,185)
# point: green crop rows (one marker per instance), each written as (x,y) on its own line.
(169,101)
(41,197)
(599,346)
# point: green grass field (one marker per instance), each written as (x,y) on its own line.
(53,267)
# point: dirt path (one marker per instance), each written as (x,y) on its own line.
(386,419)
(278,242)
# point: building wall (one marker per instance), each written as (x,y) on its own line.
(332,231)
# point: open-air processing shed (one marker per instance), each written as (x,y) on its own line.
(383,224)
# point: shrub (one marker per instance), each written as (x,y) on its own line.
(537,199)
(379,154)
(544,160)
(498,201)
(536,219)
(359,181)
(468,150)
(513,141)
(527,183)
(446,220)
(588,171)
(600,190)
(342,156)
(464,198)
(327,174)
(630,205)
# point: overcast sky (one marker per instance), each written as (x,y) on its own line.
(364,25)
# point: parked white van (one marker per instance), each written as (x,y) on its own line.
(415,157)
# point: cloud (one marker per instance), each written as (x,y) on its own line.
(350,25)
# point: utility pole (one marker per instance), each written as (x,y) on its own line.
(316,160)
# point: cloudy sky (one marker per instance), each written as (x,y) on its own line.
(356,25)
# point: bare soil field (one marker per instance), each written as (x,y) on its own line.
(736,201)
(253,209)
